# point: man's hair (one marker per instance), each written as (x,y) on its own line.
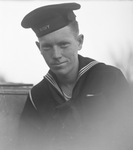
(75,27)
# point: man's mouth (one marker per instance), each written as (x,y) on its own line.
(59,63)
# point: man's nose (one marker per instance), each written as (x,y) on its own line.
(57,52)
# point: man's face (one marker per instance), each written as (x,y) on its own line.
(60,50)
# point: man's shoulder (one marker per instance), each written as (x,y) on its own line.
(97,66)
(109,71)
(40,93)
(106,68)
(106,71)
(40,86)
(96,70)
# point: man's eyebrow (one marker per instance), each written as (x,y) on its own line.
(46,45)
(64,42)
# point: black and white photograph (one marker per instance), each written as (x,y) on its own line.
(66,75)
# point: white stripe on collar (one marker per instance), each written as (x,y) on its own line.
(86,68)
(50,78)
(67,98)
(32,100)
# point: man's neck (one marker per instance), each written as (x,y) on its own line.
(67,83)
(68,79)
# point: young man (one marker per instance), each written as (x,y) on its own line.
(81,104)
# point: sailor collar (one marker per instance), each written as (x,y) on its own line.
(85,64)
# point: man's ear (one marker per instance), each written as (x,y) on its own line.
(80,40)
(37,44)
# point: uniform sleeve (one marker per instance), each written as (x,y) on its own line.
(29,111)
(120,88)
(29,126)
(121,117)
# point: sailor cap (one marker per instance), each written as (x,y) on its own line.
(50,18)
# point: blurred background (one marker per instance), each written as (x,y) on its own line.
(108,29)
(106,25)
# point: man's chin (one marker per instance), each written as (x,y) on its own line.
(60,72)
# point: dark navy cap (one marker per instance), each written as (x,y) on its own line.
(50,18)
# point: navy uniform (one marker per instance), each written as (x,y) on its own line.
(90,119)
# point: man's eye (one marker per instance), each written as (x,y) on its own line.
(46,48)
(64,45)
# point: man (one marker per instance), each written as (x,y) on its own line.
(81,104)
